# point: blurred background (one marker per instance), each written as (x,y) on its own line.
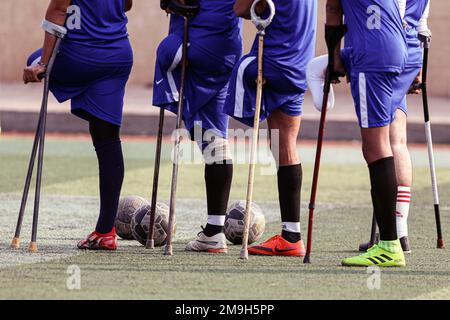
(20,34)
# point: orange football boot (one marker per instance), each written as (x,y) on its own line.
(278,246)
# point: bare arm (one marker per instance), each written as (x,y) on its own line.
(242,8)
(56,13)
(335,17)
(334,13)
(128,5)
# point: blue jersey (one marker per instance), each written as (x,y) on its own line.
(97,32)
(215,30)
(376,35)
(414,12)
(290,40)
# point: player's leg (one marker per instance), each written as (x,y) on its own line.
(107,144)
(372,93)
(218,175)
(101,104)
(218,178)
(290,173)
(209,128)
(289,178)
(403,168)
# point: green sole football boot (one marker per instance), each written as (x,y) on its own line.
(379,256)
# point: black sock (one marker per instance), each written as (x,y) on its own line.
(291,236)
(106,139)
(218,178)
(211,230)
(289,189)
(111,174)
(383,180)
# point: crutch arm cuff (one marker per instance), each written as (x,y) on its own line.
(260,23)
(54,29)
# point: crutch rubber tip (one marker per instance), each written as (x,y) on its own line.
(150,244)
(441,244)
(15,243)
(306,259)
(244,254)
(168,250)
(32,247)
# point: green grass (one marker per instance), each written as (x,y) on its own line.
(342,220)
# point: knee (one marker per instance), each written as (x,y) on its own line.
(166,52)
(375,152)
(285,152)
(399,142)
(103,133)
(215,149)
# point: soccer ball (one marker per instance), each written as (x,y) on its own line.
(127,208)
(234,223)
(141,221)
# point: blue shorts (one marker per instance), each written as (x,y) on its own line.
(205,88)
(402,83)
(372,93)
(93,89)
(278,92)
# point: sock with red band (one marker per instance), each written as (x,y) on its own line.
(402,210)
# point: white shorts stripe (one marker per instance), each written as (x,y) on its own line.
(170,79)
(363,100)
(240,90)
(36,61)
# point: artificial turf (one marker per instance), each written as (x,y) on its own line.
(343,215)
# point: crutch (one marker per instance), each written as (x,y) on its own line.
(38,148)
(426,46)
(188,10)
(373,231)
(173,190)
(261,25)
(332,40)
(150,241)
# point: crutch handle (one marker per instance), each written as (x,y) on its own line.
(260,23)
(425,40)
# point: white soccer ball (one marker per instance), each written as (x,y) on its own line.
(141,220)
(234,223)
(125,212)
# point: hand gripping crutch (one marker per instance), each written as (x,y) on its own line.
(426,46)
(261,25)
(333,36)
(38,148)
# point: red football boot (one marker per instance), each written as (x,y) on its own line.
(99,241)
(278,246)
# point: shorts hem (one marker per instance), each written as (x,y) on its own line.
(378,124)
